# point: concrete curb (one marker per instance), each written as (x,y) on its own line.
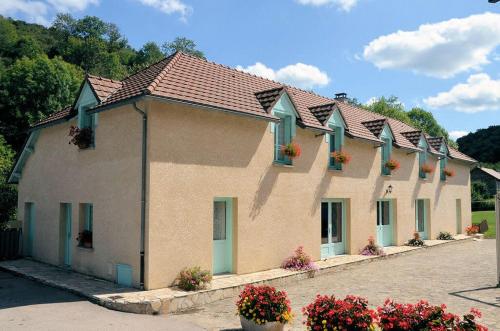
(148,303)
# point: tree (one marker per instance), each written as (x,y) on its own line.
(483,145)
(182,44)
(479,191)
(425,121)
(390,107)
(8,193)
(30,89)
(148,54)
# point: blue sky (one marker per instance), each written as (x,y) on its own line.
(441,55)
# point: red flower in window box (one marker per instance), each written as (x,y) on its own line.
(427,168)
(449,172)
(341,157)
(80,137)
(291,150)
(392,164)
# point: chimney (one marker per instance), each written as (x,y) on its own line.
(342,97)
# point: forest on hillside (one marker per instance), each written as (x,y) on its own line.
(483,145)
(42,68)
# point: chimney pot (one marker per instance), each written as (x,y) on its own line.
(341,96)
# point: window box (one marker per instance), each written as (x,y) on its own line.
(392,165)
(81,137)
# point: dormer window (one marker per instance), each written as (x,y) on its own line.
(282,137)
(387,139)
(443,162)
(422,159)
(86,101)
(335,139)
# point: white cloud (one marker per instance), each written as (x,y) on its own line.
(300,75)
(33,11)
(39,11)
(170,7)
(479,93)
(345,5)
(457,134)
(71,5)
(371,101)
(440,49)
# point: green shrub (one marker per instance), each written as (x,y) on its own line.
(193,279)
(483,205)
(443,235)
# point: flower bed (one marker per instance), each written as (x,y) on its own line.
(416,241)
(263,304)
(299,261)
(329,313)
(472,230)
(193,279)
(372,248)
(443,235)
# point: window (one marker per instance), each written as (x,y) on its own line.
(422,159)
(443,161)
(87,120)
(282,136)
(386,155)
(335,145)
(85,237)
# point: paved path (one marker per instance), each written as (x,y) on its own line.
(26,305)
(462,276)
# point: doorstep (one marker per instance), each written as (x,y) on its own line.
(170,300)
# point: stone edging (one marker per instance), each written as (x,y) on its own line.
(145,303)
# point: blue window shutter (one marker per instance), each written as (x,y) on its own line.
(332,149)
(421,161)
(338,141)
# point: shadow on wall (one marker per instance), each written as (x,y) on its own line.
(406,159)
(266,185)
(310,144)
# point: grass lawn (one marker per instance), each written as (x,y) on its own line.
(478,216)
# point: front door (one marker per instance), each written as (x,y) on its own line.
(333,228)
(29,219)
(222,236)
(66,235)
(384,223)
(421,218)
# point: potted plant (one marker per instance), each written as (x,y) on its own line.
(193,279)
(341,157)
(81,137)
(85,239)
(472,230)
(392,164)
(372,248)
(449,172)
(263,308)
(416,241)
(427,168)
(300,261)
(328,313)
(291,150)
(443,235)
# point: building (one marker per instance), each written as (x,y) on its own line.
(185,167)
(488,176)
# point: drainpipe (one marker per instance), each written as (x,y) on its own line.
(143,191)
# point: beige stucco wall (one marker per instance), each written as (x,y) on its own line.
(196,155)
(107,176)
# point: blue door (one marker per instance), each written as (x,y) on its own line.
(222,236)
(67,234)
(333,228)
(29,224)
(384,223)
(421,218)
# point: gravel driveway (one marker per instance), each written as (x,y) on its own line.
(460,275)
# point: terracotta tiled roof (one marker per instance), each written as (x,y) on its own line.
(413,136)
(323,112)
(103,87)
(181,77)
(435,142)
(63,114)
(269,98)
(491,172)
(455,154)
(375,126)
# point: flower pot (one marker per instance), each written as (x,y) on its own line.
(249,325)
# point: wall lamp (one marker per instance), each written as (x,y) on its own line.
(389,189)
